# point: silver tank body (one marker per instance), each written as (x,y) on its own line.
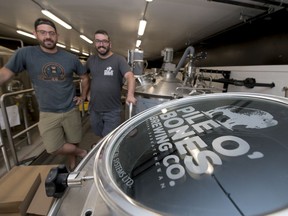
(156,87)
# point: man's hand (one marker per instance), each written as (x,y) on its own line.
(131,99)
(78,100)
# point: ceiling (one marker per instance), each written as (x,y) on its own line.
(170,23)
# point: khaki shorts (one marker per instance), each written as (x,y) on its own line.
(57,129)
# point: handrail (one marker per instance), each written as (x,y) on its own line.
(8,129)
(4,152)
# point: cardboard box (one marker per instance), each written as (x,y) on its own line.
(41,204)
(10,214)
(22,191)
(17,189)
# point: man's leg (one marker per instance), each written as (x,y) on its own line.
(53,126)
(112,120)
(72,126)
(96,122)
(72,151)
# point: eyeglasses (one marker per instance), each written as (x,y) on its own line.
(44,33)
(105,42)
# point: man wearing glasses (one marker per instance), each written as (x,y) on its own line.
(51,71)
(107,70)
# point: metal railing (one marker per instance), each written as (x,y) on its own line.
(10,136)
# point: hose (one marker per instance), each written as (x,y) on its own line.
(189,50)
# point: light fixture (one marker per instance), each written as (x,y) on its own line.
(86,54)
(60,45)
(56,19)
(149,0)
(138,43)
(142,26)
(75,50)
(86,39)
(26,34)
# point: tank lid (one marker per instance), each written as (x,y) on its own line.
(218,154)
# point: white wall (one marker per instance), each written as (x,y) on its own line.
(263,74)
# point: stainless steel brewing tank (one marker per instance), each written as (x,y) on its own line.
(218,154)
(156,88)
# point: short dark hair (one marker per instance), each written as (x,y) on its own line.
(101,31)
(45,21)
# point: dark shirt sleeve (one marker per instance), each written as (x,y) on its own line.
(17,62)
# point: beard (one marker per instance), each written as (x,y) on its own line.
(103,51)
(48,44)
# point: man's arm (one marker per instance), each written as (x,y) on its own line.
(5,75)
(85,83)
(129,76)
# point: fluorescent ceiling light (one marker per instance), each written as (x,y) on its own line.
(86,39)
(142,26)
(149,0)
(138,43)
(75,50)
(60,45)
(56,19)
(26,34)
(84,53)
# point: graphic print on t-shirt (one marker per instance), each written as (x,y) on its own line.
(108,72)
(52,71)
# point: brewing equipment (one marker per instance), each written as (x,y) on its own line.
(136,61)
(215,154)
(159,85)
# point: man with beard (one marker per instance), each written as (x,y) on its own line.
(51,71)
(107,70)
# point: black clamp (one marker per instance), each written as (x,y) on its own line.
(56,181)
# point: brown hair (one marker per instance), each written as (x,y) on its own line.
(101,31)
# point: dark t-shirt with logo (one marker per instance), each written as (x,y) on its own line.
(107,80)
(51,76)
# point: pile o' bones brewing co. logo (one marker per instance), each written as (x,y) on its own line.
(176,136)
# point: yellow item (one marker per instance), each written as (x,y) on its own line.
(85,105)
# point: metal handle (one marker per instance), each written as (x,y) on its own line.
(130,110)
